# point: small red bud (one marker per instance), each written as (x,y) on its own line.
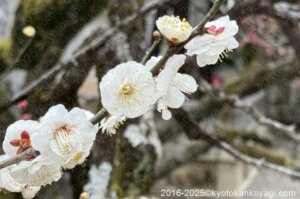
(25,135)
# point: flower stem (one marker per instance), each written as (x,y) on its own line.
(150,51)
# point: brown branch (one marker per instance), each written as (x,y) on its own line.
(236,102)
(151,49)
(94,45)
(26,155)
(194,131)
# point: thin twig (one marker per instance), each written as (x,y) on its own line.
(150,51)
(257,162)
(235,101)
(99,116)
(26,155)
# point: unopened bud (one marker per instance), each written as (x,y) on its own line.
(29,31)
(84,195)
(156,35)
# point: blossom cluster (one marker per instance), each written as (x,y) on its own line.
(63,140)
(129,90)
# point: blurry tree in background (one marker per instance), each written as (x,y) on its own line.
(247,106)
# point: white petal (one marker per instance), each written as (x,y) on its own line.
(14,132)
(165,77)
(174,98)
(166,114)
(232,44)
(216,50)
(185,83)
(29,192)
(152,62)
(198,42)
(173,28)
(203,60)
(140,80)
(46,174)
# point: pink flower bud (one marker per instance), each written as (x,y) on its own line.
(22,105)
(252,36)
(216,81)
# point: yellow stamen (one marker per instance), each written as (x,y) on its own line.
(127,90)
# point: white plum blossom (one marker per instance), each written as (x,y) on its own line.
(65,137)
(31,172)
(173,29)
(18,136)
(171,85)
(111,124)
(8,183)
(128,90)
(215,43)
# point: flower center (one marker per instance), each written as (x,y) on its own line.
(214,30)
(23,144)
(175,22)
(127,90)
(62,137)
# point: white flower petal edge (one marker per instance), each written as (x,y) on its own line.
(66,137)
(173,29)
(171,85)
(128,90)
(36,172)
(8,183)
(216,43)
(17,136)
(111,124)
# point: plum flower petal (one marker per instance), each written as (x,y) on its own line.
(66,137)
(8,183)
(171,85)
(173,29)
(18,136)
(36,172)
(215,43)
(128,90)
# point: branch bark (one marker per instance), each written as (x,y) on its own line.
(94,45)
(236,102)
(194,131)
